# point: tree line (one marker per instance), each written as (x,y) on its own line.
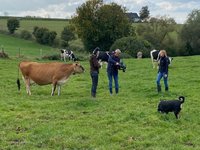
(108,27)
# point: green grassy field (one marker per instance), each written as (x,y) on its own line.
(12,45)
(128,120)
(25,24)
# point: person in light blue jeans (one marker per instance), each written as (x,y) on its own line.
(163,70)
(112,70)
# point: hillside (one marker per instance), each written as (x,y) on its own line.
(11,46)
(28,24)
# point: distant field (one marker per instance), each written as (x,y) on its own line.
(126,121)
(53,25)
(27,48)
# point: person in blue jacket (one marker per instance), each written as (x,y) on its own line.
(112,70)
(163,70)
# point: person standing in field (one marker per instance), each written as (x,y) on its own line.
(94,70)
(112,70)
(163,70)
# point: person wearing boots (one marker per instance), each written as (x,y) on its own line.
(163,70)
(112,70)
(94,70)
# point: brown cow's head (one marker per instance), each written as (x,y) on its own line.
(78,68)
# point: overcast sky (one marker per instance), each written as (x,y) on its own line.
(177,9)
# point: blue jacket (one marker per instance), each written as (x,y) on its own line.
(163,66)
(112,67)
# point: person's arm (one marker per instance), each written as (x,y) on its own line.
(110,60)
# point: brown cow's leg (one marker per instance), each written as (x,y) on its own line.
(27,81)
(53,88)
(59,88)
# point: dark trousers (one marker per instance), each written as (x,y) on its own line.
(112,75)
(94,76)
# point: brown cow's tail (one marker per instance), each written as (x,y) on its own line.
(18,81)
(18,84)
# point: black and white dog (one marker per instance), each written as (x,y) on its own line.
(166,106)
(67,54)
(155,57)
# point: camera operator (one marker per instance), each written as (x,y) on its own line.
(112,70)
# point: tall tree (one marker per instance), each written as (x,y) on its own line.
(144,13)
(99,24)
(12,25)
(157,30)
(190,33)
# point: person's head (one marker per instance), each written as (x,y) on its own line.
(117,52)
(163,53)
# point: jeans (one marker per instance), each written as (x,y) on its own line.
(115,76)
(165,78)
(94,76)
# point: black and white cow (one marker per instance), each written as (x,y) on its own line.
(155,57)
(103,57)
(67,54)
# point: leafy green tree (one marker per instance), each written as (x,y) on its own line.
(52,37)
(144,13)
(67,35)
(157,30)
(44,36)
(132,45)
(12,25)
(99,24)
(190,33)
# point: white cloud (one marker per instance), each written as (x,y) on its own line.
(178,9)
(165,6)
(62,10)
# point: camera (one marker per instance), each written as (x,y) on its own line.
(122,66)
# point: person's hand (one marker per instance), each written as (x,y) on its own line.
(165,75)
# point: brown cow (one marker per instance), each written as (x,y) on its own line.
(54,73)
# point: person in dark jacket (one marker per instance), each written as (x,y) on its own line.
(163,70)
(94,70)
(112,70)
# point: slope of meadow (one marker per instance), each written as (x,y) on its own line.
(28,24)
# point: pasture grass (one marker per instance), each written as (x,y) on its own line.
(25,48)
(26,24)
(128,120)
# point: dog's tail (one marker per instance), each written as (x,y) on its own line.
(182,99)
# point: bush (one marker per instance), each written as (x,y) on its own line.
(52,57)
(131,45)
(3,54)
(44,36)
(25,35)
